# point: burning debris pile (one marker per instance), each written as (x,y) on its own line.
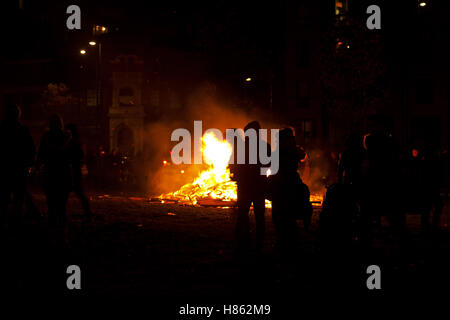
(215,182)
(213,186)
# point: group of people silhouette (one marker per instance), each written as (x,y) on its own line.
(373,179)
(289,195)
(59,157)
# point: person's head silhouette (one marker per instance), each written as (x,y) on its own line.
(286,136)
(253,125)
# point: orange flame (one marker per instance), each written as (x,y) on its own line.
(213,183)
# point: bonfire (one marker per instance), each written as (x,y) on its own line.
(213,183)
(214,186)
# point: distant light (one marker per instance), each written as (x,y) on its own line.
(348,47)
(92,43)
(248,79)
(182,171)
(422,4)
(83,51)
(99,29)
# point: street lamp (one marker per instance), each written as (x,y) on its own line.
(98,30)
(82,51)
(248,79)
(422,3)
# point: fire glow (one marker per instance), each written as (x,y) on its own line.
(215,184)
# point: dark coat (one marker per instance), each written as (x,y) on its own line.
(55,156)
(18,151)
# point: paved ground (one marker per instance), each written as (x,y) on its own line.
(137,248)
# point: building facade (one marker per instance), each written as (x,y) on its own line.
(126,113)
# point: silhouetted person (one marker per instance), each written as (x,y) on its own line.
(351,162)
(285,185)
(250,189)
(54,155)
(334,161)
(77,157)
(381,185)
(18,152)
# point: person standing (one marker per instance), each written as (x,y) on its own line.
(284,193)
(18,152)
(54,154)
(350,165)
(77,156)
(381,181)
(250,190)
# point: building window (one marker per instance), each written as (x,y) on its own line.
(302,54)
(91,98)
(305,131)
(302,96)
(424,91)
(126,97)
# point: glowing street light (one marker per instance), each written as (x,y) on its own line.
(98,30)
(422,4)
(92,43)
(82,51)
(248,79)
